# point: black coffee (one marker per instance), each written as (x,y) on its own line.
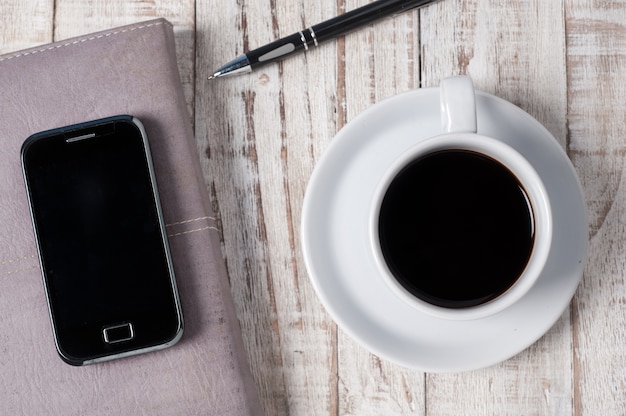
(456,228)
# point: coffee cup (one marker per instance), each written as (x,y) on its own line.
(461,223)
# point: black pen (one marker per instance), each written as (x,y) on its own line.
(316,34)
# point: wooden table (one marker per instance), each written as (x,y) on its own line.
(259,137)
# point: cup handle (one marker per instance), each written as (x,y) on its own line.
(458,105)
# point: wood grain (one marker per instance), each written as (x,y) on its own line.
(25,24)
(266,143)
(596,45)
(260,135)
(380,60)
(515,50)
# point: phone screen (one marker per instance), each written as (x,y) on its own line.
(101,239)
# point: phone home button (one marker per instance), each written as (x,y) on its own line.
(118,333)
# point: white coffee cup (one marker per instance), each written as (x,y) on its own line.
(446,279)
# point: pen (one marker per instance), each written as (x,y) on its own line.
(316,34)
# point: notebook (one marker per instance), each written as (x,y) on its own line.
(127,70)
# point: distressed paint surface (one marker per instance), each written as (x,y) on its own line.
(259,137)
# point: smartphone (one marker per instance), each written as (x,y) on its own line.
(101,240)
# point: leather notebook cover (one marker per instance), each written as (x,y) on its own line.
(128,70)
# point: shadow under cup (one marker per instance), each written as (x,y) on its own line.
(456,228)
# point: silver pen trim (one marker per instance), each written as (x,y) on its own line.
(240,65)
(278,52)
(312,32)
(303,40)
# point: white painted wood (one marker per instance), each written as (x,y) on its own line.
(515,50)
(25,24)
(260,135)
(261,131)
(596,41)
(379,61)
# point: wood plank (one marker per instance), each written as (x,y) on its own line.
(378,61)
(308,89)
(25,24)
(516,51)
(261,134)
(77,17)
(596,45)
(381,60)
(226,131)
(535,382)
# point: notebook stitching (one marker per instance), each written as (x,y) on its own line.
(188,221)
(76,42)
(19,270)
(82,40)
(193,231)
(16,259)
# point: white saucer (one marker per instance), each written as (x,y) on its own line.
(340,262)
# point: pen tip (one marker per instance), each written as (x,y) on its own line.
(211,77)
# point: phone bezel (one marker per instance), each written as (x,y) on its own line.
(85,131)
